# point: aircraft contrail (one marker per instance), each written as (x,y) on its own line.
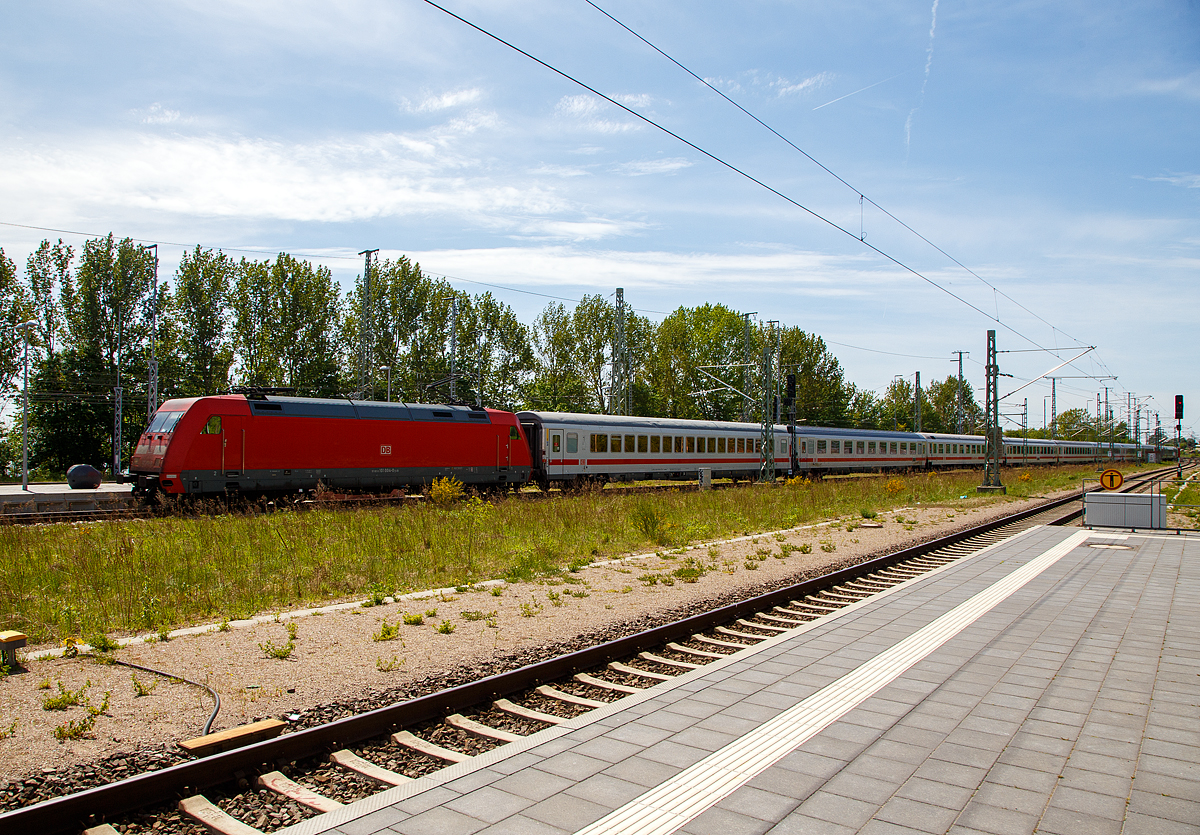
(856,92)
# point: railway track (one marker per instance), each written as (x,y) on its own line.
(265,786)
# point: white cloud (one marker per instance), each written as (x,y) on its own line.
(784,87)
(444,101)
(1185,180)
(1185,86)
(156,114)
(653,166)
(586,112)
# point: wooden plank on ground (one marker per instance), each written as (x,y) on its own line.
(570,698)
(229,738)
(604,684)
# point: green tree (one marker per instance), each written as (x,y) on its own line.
(14,309)
(47,272)
(200,318)
(686,340)
(821,394)
(558,384)
(942,401)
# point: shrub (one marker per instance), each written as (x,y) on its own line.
(445,627)
(415,619)
(102,643)
(446,491)
(65,698)
(387,632)
(140,688)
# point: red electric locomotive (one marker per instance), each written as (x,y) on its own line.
(264,444)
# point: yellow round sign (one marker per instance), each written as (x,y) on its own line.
(1111,479)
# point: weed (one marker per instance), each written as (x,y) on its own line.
(140,688)
(292,629)
(431,613)
(75,728)
(44,684)
(762,553)
(496,591)
(272,650)
(894,486)
(415,619)
(750,565)
(650,579)
(650,523)
(690,571)
(224,625)
(579,593)
(387,632)
(555,598)
(1026,477)
(477,615)
(714,552)
(102,643)
(867,513)
(164,634)
(388,666)
(531,610)
(828,547)
(65,698)
(70,646)
(445,627)
(5,733)
(785,550)
(462,589)
(445,491)
(578,564)
(626,589)
(376,594)
(491,622)
(780,537)
(805,548)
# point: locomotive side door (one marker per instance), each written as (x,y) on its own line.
(233,446)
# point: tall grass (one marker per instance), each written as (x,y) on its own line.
(134,575)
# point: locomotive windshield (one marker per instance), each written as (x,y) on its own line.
(164,422)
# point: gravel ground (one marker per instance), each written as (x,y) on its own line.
(336,668)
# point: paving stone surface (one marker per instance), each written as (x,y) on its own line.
(1070,706)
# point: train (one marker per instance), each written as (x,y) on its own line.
(567,447)
(264,444)
(268,444)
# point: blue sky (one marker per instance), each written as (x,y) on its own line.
(1048,146)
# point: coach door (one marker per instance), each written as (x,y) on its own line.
(554,464)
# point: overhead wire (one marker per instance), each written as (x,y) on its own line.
(834,174)
(720,161)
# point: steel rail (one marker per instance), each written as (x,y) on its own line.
(87,807)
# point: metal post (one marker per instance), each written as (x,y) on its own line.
(453,349)
(746,367)
(152,366)
(25,326)
(1053,407)
(959,398)
(117,402)
(766,459)
(366,328)
(617,398)
(917,408)
(388,369)
(995,440)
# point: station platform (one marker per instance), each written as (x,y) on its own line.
(58,497)
(1049,683)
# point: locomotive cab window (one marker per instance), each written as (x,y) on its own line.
(572,442)
(213,427)
(513,434)
(164,422)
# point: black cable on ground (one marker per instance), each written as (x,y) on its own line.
(104,659)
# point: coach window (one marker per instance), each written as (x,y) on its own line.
(712,445)
(643,440)
(654,442)
(599,443)
(572,443)
(629,443)
(614,445)
(862,447)
(691,444)
(820,446)
(555,442)
(213,427)
(720,444)
(903,447)
(870,446)
(835,446)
